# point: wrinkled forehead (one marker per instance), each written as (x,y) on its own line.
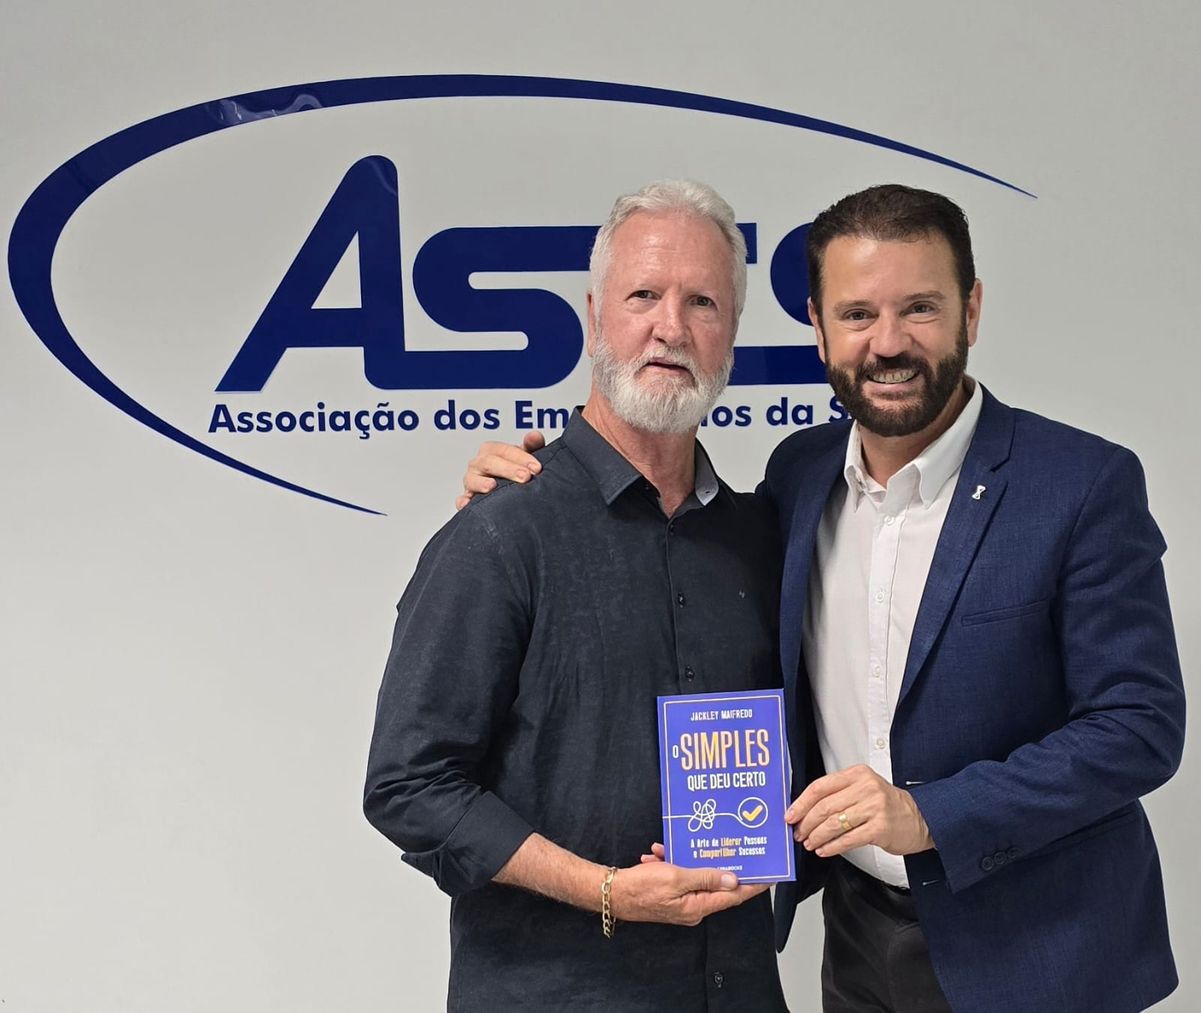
(854,260)
(672,242)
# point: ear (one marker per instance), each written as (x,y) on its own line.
(815,319)
(971,314)
(591,325)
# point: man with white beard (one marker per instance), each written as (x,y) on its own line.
(515,755)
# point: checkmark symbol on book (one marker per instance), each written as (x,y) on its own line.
(750,815)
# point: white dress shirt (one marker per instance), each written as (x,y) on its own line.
(874,548)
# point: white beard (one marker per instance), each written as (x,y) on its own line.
(670,406)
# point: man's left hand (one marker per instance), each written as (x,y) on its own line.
(873,811)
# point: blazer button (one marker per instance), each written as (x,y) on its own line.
(986,863)
(1000,858)
(1012,853)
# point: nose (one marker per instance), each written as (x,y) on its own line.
(889,336)
(671,327)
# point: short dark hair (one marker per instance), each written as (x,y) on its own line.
(892,212)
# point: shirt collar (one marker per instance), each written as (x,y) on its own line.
(932,467)
(706,483)
(613,474)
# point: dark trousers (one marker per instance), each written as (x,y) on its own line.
(876,959)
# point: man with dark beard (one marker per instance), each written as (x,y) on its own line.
(515,756)
(974,602)
(976,638)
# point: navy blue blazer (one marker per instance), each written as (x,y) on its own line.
(1041,698)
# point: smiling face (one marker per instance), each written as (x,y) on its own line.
(662,333)
(894,330)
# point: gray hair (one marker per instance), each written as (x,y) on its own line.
(667,196)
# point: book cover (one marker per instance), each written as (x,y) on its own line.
(726,776)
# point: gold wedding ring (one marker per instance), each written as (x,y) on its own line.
(844,822)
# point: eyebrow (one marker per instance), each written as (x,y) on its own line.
(851,304)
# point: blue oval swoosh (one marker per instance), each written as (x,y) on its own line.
(44,215)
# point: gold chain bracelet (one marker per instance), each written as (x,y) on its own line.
(608,922)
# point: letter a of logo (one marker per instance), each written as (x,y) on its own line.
(365,204)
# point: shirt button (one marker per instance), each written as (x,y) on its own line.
(689,674)
(671,527)
(680,599)
(877,671)
(719,979)
(879,596)
(880,743)
(889,518)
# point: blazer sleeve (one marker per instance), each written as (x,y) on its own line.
(1125,729)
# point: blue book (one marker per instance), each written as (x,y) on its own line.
(726,779)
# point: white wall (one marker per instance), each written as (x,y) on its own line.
(189,656)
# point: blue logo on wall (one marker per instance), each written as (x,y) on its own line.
(365,207)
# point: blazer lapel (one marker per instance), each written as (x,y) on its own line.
(977,494)
(800,537)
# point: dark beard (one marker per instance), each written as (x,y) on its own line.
(905,417)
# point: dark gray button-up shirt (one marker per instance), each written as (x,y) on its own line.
(519,696)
